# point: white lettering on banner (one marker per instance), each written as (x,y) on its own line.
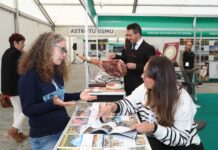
(91,31)
(169,33)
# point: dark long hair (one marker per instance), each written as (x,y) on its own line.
(163,98)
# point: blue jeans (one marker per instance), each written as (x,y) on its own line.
(45,143)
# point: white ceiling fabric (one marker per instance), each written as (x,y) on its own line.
(71,12)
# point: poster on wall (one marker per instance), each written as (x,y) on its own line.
(213,71)
(101,45)
(203,72)
(170,50)
(213,49)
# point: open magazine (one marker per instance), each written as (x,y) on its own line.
(115,127)
(115,132)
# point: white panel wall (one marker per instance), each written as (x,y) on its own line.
(31,29)
(6,29)
(43,28)
(30,7)
(9,3)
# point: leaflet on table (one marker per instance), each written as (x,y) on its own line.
(99,141)
(83,110)
(77,129)
(79,121)
(85,114)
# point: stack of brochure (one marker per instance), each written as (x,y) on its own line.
(85,131)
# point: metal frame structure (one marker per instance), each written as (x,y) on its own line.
(185,22)
(19,13)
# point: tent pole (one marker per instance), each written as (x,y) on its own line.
(194,27)
(97,51)
(86,44)
(16,16)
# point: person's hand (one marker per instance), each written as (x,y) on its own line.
(121,62)
(107,111)
(59,102)
(111,56)
(131,66)
(84,95)
(100,64)
(144,127)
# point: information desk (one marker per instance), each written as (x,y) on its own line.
(84,116)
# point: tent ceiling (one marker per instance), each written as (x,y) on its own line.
(159,7)
(71,12)
(65,12)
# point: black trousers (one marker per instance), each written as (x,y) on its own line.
(188,75)
(157,145)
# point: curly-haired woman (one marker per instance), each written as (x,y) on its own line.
(43,70)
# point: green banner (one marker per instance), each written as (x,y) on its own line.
(168,33)
(155,33)
(210,34)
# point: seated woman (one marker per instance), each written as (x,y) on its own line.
(165,109)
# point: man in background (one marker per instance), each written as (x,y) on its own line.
(188,60)
(135,56)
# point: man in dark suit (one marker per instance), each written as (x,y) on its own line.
(135,56)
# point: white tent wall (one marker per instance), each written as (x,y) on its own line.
(43,28)
(28,27)
(30,7)
(9,3)
(31,29)
(6,29)
(65,32)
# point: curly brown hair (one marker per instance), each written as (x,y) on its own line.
(39,55)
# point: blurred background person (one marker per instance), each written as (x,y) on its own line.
(9,84)
(188,61)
